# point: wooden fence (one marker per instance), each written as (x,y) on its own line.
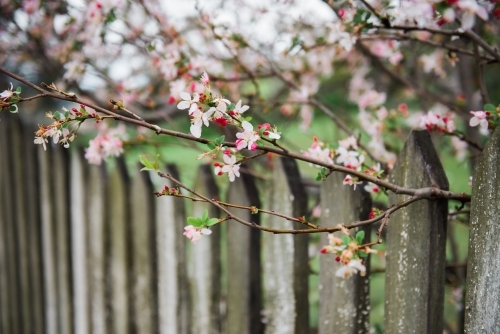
(86,249)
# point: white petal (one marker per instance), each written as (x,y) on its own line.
(183,105)
(468,20)
(185,96)
(484,124)
(206,231)
(195,131)
(243,109)
(193,108)
(474,121)
(227,159)
(247,126)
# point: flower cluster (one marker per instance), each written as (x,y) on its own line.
(9,98)
(199,226)
(349,251)
(108,142)
(64,126)
(438,122)
(222,112)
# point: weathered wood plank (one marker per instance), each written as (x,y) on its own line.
(173,287)
(286,268)
(482,303)
(344,304)
(118,212)
(10,311)
(144,278)
(96,205)
(59,178)
(204,262)
(79,251)
(20,223)
(416,241)
(49,239)
(243,302)
(31,196)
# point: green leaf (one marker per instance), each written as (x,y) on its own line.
(359,237)
(204,216)
(489,107)
(231,107)
(323,171)
(195,221)
(319,177)
(151,47)
(219,140)
(212,221)
(13,108)
(211,145)
(346,240)
(111,17)
(248,119)
(362,254)
(18,89)
(148,165)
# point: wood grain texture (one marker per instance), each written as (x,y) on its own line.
(482,304)
(344,303)
(286,268)
(416,242)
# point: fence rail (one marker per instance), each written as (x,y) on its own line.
(86,249)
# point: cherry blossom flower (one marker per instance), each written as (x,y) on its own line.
(187,102)
(480,118)
(230,167)
(350,159)
(316,152)
(351,268)
(351,181)
(107,143)
(247,138)
(469,9)
(194,234)
(198,118)
(349,142)
(6,94)
(238,109)
(372,188)
(459,148)
(41,141)
(205,79)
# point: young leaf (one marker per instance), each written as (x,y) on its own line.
(362,254)
(195,221)
(211,145)
(18,89)
(148,165)
(359,237)
(212,221)
(204,216)
(489,107)
(346,240)
(219,140)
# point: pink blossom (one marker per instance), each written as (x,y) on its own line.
(247,138)
(194,233)
(205,79)
(349,180)
(480,118)
(187,102)
(351,268)
(372,188)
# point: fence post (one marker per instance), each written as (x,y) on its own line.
(416,242)
(344,304)
(11,314)
(143,237)
(286,268)
(79,237)
(173,287)
(96,205)
(118,262)
(482,303)
(244,302)
(204,262)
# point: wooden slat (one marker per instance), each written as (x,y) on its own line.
(204,262)
(244,302)
(117,268)
(285,256)
(49,239)
(173,288)
(31,191)
(344,303)
(10,311)
(79,250)
(143,236)
(416,240)
(482,304)
(96,205)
